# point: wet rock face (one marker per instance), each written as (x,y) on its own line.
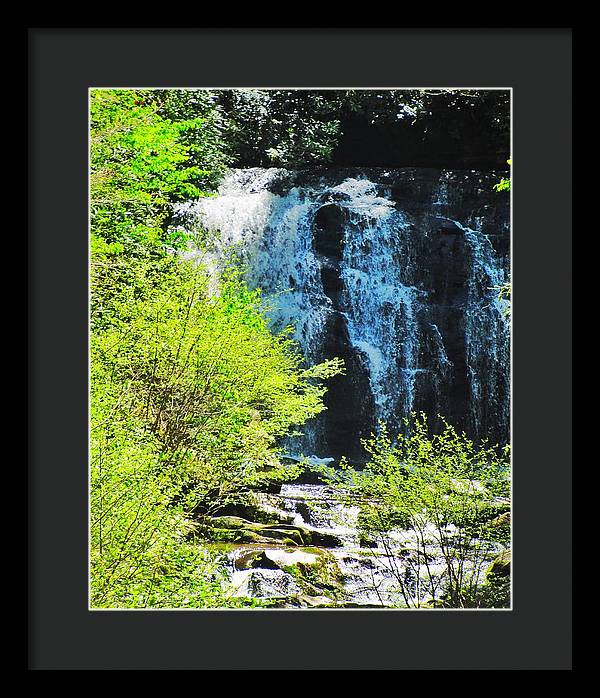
(394,272)
(348,400)
(329,224)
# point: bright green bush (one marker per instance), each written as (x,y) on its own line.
(504,183)
(190,394)
(139,164)
(144,155)
(139,556)
(190,390)
(444,488)
(142,555)
(214,385)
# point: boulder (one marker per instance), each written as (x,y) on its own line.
(264,561)
(264,584)
(256,511)
(232,522)
(228,535)
(500,566)
(501,521)
(287,534)
(301,535)
(239,530)
(367,542)
(325,540)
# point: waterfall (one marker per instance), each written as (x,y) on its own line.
(392,270)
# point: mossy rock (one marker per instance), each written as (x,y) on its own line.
(239,530)
(229,535)
(240,535)
(502,521)
(232,522)
(500,566)
(254,511)
(321,574)
(245,531)
(366,541)
(264,583)
(286,534)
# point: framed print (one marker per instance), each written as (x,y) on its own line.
(291,352)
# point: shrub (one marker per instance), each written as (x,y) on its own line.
(448,492)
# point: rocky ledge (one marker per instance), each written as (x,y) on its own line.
(234,529)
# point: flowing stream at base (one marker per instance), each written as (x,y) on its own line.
(400,569)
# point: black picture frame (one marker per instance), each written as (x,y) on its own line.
(63,65)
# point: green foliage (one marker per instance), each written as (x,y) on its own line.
(190,390)
(190,394)
(143,156)
(139,557)
(217,388)
(302,128)
(504,290)
(504,183)
(141,552)
(494,592)
(504,294)
(203,123)
(280,127)
(446,490)
(138,166)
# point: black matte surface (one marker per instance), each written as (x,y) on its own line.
(536,634)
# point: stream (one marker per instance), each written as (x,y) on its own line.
(403,568)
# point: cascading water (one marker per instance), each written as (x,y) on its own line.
(393,271)
(405,567)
